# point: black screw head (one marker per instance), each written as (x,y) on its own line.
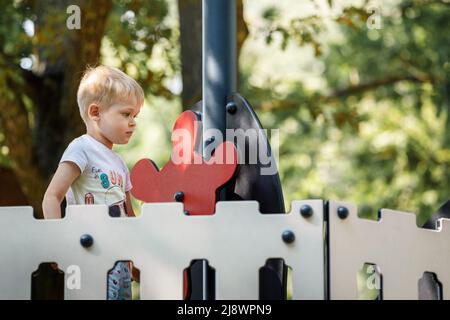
(231,107)
(342,212)
(86,240)
(288,236)
(210,140)
(186,212)
(179,196)
(306,211)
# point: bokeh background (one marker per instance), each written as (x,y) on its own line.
(359,90)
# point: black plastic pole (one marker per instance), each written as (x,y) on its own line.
(218,81)
(218,65)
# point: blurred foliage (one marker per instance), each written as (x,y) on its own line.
(134,28)
(301,30)
(13,45)
(373,131)
(34,42)
(376,133)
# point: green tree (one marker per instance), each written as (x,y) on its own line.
(38,111)
(377,132)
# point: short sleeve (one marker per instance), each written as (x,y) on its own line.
(76,154)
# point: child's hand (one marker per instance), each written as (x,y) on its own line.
(135,273)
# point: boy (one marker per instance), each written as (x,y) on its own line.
(90,172)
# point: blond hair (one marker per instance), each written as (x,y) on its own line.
(105,86)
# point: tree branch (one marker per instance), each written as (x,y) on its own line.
(352,90)
(361,88)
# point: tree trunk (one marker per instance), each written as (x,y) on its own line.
(10,191)
(36,140)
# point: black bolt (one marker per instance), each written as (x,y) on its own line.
(199,115)
(342,212)
(86,240)
(288,236)
(209,141)
(306,211)
(179,196)
(231,107)
(186,212)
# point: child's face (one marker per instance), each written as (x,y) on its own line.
(117,123)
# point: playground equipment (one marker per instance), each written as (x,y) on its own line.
(162,242)
(324,244)
(219,230)
(401,250)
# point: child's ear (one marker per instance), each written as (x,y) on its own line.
(94,112)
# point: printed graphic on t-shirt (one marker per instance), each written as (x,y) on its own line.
(113,190)
(112,183)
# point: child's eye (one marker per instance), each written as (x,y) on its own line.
(126,114)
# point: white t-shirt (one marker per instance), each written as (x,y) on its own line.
(104,177)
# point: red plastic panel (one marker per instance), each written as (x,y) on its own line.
(185,172)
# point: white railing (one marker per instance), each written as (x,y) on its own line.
(236,242)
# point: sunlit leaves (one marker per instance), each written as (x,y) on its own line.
(134,28)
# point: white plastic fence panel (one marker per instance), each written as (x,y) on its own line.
(401,250)
(236,241)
